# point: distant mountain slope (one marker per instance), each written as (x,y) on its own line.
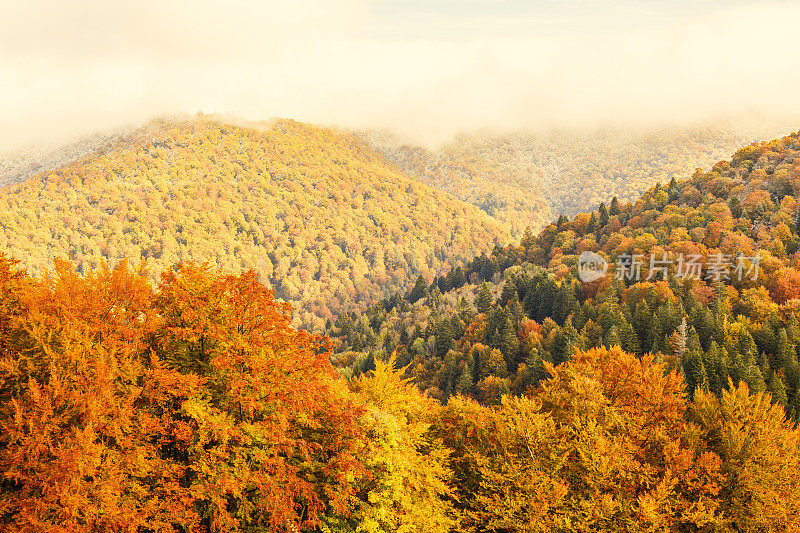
(21,164)
(489,173)
(317,213)
(528,180)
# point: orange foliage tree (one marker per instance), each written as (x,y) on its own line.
(785,285)
(73,454)
(268,435)
(195,407)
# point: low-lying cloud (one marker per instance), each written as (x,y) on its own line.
(71,68)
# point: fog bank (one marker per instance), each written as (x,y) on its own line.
(426,69)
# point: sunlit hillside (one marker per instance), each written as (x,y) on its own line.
(320,216)
(492,327)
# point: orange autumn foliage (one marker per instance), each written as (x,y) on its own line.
(785,285)
(72,449)
(192,407)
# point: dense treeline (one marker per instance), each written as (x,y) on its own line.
(491,327)
(526,180)
(195,406)
(314,211)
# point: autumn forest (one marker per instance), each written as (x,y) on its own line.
(218,327)
(399,266)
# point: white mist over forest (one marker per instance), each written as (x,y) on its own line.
(425,69)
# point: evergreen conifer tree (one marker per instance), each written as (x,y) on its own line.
(483,300)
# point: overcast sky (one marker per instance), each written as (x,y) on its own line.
(427,68)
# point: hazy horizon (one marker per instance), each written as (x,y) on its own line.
(426,70)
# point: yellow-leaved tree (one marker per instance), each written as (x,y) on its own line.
(407,488)
(600,446)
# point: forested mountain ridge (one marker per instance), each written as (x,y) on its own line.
(528,180)
(320,216)
(492,327)
(549,403)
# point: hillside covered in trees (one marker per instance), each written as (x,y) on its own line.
(528,179)
(493,327)
(321,217)
(498,390)
(194,406)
